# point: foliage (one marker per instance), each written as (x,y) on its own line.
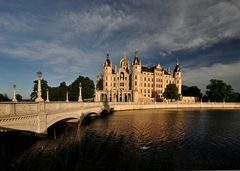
(19,97)
(87,88)
(171,92)
(94,152)
(219,91)
(44,85)
(191,91)
(4,97)
(59,93)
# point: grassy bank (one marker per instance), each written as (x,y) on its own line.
(94,151)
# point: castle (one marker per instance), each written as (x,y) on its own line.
(136,84)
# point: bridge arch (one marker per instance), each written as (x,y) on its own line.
(63,117)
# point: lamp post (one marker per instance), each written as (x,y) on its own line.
(39,89)
(14,99)
(80,93)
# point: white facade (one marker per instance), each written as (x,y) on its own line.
(138,84)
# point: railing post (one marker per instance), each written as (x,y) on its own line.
(42,118)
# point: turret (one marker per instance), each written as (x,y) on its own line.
(177,74)
(107,74)
(136,75)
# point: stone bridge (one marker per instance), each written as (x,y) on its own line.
(39,116)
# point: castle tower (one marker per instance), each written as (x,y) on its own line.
(177,74)
(136,76)
(107,73)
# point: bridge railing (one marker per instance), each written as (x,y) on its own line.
(22,108)
(52,107)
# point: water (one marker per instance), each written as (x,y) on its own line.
(184,139)
(188,139)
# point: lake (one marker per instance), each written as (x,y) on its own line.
(185,139)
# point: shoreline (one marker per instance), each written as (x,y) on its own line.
(173,105)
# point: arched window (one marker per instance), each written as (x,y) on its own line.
(122,76)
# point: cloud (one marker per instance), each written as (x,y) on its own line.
(190,24)
(229,73)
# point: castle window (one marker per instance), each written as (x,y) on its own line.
(121,84)
(114,84)
(144,84)
(106,83)
(135,83)
(125,78)
(148,85)
(144,78)
(135,76)
(122,76)
(148,79)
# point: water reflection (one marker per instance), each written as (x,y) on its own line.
(196,139)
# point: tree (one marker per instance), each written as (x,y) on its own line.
(171,92)
(4,97)
(59,93)
(191,91)
(19,97)
(219,91)
(44,86)
(87,88)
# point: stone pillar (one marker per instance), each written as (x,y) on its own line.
(80,93)
(108,96)
(121,96)
(67,97)
(14,99)
(47,100)
(39,90)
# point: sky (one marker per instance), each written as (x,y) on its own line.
(67,38)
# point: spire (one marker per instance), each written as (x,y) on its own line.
(136,61)
(177,67)
(107,61)
(136,53)
(107,54)
(177,61)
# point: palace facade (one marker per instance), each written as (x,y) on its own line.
(136,84)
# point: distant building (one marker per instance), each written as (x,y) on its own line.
(137,84)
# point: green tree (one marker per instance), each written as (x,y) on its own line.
(44,86)
(191,91)
(87,88)
(4,97)
(171,92)
(219,91)
(19,97)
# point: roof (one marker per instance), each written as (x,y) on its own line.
(146,69)
(177,68)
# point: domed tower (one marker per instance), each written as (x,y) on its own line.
(107,73)
(177,74)
(136,76)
